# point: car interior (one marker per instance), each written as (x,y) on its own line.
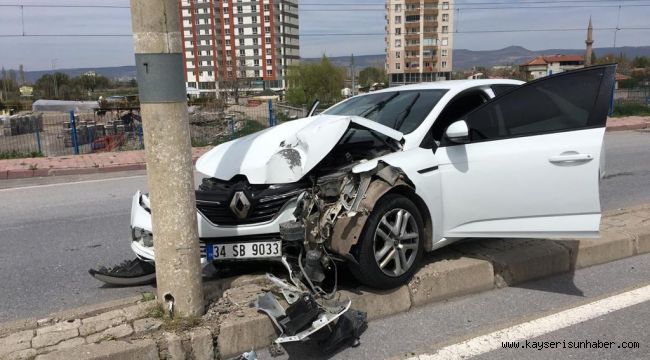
(461,105)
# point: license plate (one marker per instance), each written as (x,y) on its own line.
(248,250)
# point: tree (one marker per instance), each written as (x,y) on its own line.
(371,75)
(311,81)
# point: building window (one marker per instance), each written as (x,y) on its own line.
(240,20)
(445,42)
(267,29)
(255,31)
(398,19)
(241,42)
(398,7)
(397,66)
(444,64)
(242,52)
(445,29)
(268,61)
(398,54)
(255,42)
(256,62)
(398,43)
(227,42)
(254,19)
(268,40)
(267,18)
(445,17)
(445,5)
(398,31)
(267,7)
(227,31)
(257,73)
(240,9)
(268,51)
(444,52)
(269,72)
(256,52)
(240,31)
(253,8)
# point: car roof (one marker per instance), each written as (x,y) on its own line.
(458,85)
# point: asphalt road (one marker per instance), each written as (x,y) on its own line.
(424,330)
(52,230)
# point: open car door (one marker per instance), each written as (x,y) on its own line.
(530,165)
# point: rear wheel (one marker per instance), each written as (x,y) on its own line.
(390,247)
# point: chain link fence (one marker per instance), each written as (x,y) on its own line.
(30,134)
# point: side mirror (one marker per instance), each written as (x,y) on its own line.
(457,132)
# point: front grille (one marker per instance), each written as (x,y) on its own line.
(213,201)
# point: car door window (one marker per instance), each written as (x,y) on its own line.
(563,102)
(455,109)
(501,89)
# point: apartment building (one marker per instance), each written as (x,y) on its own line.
(419,40)
(248,42)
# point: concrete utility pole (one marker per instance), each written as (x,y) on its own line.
(161,84)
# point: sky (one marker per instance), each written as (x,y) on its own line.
(318,28)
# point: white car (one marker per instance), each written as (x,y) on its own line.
(379,178)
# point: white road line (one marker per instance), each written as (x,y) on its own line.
(534,328)
(72,183)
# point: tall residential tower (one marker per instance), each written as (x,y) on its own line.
(250,41)
(419,40)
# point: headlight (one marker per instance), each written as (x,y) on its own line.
(145,236)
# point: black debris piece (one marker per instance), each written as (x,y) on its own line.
(347,331)
(300,315)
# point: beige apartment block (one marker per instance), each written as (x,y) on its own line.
(419,40)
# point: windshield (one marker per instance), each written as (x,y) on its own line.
(401,110)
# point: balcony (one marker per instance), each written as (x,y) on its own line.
(430,11)
(412,47)
(412,36)
(409,12)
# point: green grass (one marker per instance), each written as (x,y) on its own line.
(631,110)
(13,154)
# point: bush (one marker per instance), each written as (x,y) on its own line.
(13,154)
(623,109)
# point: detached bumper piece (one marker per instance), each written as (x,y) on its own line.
(306,316)
(128,273)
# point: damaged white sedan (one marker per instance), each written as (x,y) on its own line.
(380,178)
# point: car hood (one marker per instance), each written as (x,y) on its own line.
(283,153)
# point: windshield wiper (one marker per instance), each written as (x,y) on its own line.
(407,112)
(378,106)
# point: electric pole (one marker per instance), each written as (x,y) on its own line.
(352,73)
(163,104)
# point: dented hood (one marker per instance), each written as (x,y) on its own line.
(283,153)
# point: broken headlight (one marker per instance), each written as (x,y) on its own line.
(143,236)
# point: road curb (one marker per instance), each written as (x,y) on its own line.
(465,268)
(626,127)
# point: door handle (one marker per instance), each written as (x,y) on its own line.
(570,157)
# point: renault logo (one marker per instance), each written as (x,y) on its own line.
(240,205)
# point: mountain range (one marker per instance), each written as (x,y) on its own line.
(463,60)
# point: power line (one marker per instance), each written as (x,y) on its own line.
(357,34)
(491,8)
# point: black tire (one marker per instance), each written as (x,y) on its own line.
(368,270)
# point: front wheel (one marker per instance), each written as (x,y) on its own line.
(390,247)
